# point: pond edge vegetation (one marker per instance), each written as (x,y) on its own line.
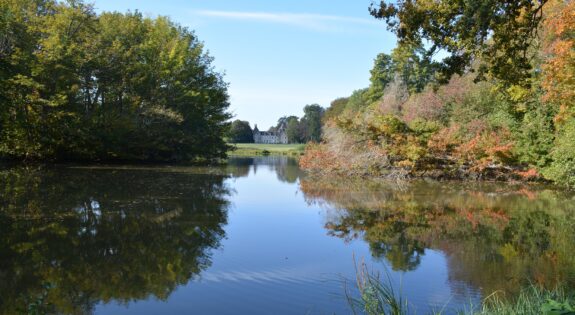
(254,149)
(499,106)
(373,295)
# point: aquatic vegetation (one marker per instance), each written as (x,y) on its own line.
(376,297)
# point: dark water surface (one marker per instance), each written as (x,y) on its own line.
(257,237)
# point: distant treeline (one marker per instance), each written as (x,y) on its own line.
(501,104)
(298,130)
(76,85)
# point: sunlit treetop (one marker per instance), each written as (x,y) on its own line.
(498,33)
(559,68)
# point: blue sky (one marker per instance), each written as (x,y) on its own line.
(279,55)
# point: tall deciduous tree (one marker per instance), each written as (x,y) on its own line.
(78,85)
(382,73)
(500,33)
(241,132)
(292,130)
(559,85)
(311,122)
(335,108)
(559,78)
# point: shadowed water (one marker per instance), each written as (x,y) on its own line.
(257,237)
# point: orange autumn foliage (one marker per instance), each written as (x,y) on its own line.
(528,174)
(475,145)
(316,158)
(559,68)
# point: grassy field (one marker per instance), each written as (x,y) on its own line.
(253,149)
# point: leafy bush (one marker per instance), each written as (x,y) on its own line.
(536,135)
(424,128)
(562,168)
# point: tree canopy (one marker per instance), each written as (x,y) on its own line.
(302,130)
(499,105)
(312,122)
(241,132)
(79,85)
(293,130)
(498,33)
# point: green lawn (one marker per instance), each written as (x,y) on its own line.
(250,149)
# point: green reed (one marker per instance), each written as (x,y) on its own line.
(374,296)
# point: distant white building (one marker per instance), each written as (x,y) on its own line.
(274,137)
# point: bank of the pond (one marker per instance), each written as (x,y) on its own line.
(258,227)
(320,160)
(257,149)
(380,298)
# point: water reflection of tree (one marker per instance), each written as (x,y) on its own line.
(239,166)
(73,238)
(285,167)
(390,240)
(494,237)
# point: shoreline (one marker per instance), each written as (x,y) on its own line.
(505,175)
(260,149)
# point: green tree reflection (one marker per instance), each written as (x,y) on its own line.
(285,167)
(72,238)
(495,237)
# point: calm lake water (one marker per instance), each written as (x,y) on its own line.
(257,237)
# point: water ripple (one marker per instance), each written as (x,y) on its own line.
(294,275)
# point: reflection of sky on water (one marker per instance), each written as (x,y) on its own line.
(277,258)
(257,237)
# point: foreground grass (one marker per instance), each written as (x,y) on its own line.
(255,149)
(531,300)
(376,297)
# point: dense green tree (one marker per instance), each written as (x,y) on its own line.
(335,108)
(311,122)
(282,122)
(78,85)
(293,130)
(357,101)
(241,132)
(499,33)
(382,73)
(306,129)
(291,125)
(414,66)
(536,134)
(562,168)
